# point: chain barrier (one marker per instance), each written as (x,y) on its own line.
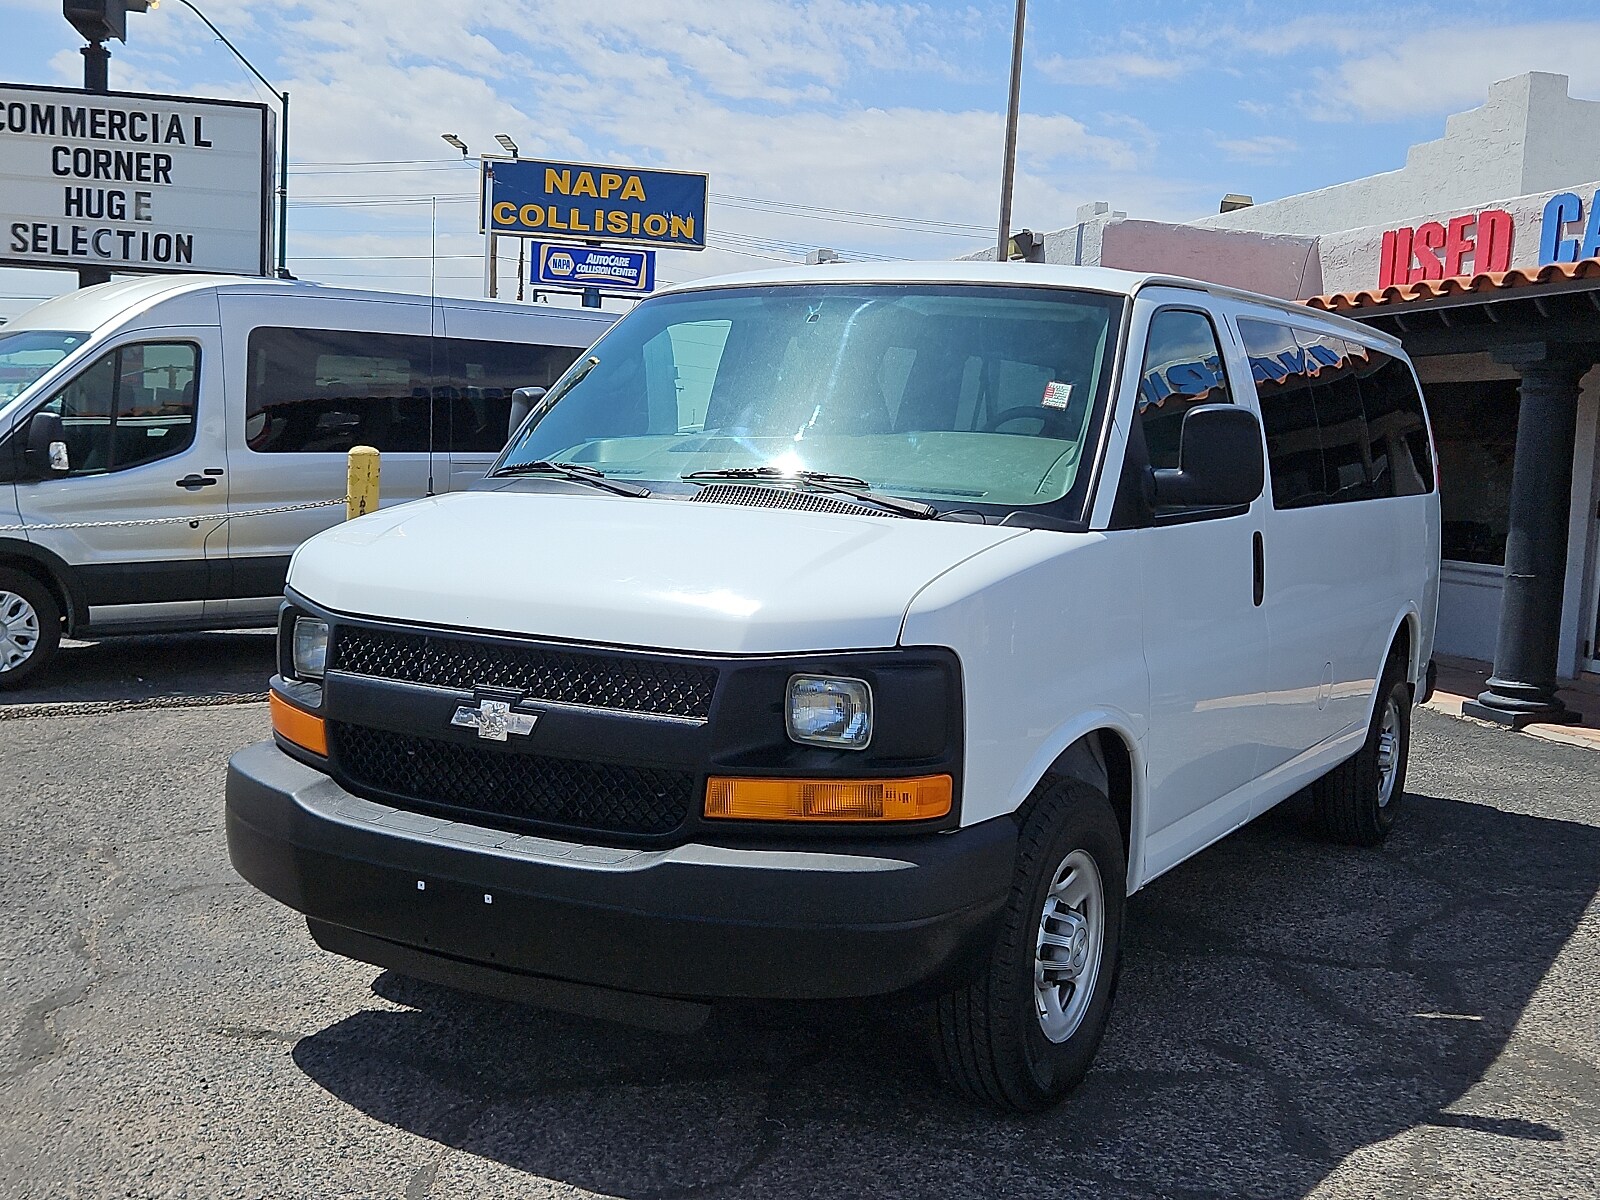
(227,516)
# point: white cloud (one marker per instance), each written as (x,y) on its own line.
(1112,70)
(1450,68)
(767,104)
(1265,149)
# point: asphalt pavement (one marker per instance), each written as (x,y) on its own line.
(1294,1020)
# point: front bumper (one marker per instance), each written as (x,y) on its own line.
(528,917)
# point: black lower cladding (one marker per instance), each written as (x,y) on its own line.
(501,787)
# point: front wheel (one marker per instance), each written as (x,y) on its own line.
(30,627)
(1023,1032)
(1357,802)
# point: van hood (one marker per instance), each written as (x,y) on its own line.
(679,575)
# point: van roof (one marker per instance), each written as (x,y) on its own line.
(87,309)
(1095,279)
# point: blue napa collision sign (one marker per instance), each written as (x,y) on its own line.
(532,198)
(631,272)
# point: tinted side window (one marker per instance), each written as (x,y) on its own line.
(1397,433)
(482,376)
(1341,424)
(326,390)
(133,405)
(1182,368)
(1282,372)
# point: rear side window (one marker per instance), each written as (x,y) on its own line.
(1341,423)
(482,376)
(322,391)
(313,391)
(1282,376)
(1182,368)
(1344,421)
(131,406)
(1397,431)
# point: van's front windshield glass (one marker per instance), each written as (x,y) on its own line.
(28,353)
(951,394)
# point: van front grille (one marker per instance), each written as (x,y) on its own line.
(504,789)
(627,683)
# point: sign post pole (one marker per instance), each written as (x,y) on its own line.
(97,79)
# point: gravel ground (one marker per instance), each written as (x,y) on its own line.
(1294,1020)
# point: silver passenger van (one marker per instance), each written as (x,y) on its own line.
(135,415)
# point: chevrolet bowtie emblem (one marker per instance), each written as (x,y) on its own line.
(494,720)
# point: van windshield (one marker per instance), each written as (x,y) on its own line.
(27,354)
(967,394)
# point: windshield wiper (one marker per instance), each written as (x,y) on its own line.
(576,472)
(824,481)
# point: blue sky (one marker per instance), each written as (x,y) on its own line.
(889,112)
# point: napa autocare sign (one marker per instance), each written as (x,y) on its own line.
(578,202)
(1565,229)
(620,272)
(132,183)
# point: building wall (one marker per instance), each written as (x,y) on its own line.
(1351,258)
(1528,136)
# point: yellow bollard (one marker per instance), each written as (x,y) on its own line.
(362,495)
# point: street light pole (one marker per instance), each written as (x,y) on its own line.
(510,147)
(1008,170)
(283,140)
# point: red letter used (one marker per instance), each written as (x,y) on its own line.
(1495,230)
(1457,245)
(1430,236)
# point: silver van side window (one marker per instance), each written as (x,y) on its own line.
(131,406)
(322,391)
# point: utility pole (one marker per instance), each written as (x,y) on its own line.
(1008,170)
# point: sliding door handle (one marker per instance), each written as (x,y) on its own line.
(1258,561)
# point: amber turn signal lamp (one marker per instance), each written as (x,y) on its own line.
(298,726)
(829,799)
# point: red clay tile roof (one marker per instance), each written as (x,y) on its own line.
(1430,289)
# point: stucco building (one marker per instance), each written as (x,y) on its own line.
(1482,253)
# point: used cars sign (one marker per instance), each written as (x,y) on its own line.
(132,182)
(531,198)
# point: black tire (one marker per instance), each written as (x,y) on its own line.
(17,589)
(989,1036)
(1350,804)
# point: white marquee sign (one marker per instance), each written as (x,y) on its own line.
(133,183)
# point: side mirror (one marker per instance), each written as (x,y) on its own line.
(1219,461)
(45,450)
(523,401)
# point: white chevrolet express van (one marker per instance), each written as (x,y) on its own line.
(860,632)
(131,409)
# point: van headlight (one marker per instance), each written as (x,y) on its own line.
(310,648)
(825,710)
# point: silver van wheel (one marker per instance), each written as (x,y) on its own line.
(19,631)
(1388,751)
(1070,945)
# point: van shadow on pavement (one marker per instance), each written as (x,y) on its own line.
(1283,1004)
(154,667)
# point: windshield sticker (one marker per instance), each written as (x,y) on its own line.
(1056,395)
